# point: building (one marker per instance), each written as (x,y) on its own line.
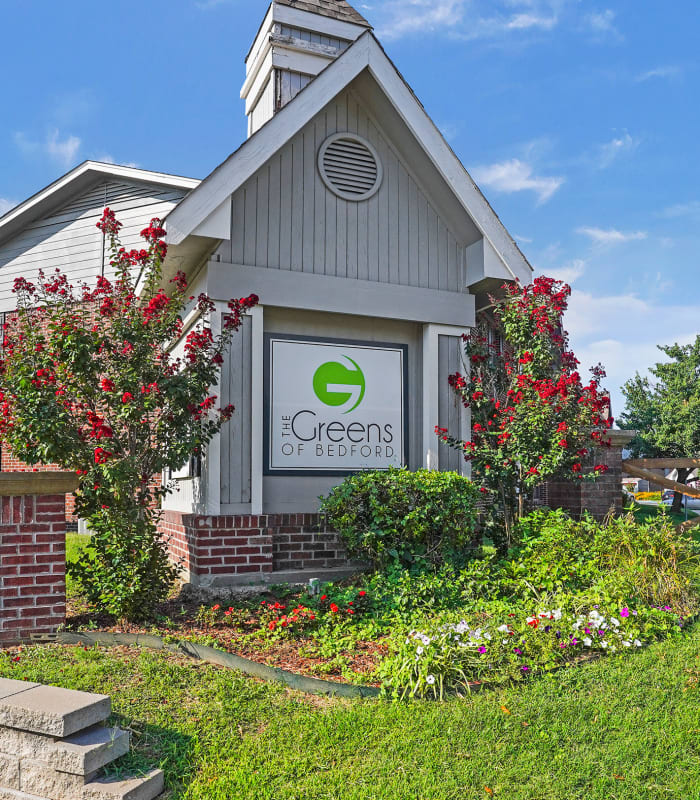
(372,251)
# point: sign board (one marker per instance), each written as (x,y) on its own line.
(333,407)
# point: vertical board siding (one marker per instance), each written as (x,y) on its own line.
(449,412)
(235,388)
(284,217)
(69,240)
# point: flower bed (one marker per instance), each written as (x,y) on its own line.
(570,591)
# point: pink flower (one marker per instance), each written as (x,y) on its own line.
(625,612)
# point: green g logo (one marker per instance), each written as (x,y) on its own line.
(337,385)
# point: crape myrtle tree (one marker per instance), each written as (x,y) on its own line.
(665,410)
(90,381)
(533,418)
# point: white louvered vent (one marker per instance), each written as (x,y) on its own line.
(350,166)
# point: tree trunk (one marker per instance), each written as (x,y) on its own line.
(677,496)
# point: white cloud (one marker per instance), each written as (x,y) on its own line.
(602,23)
(464,19)
(691,209)
(516,176)
(669,71)
(6,205)
(62,150)
(623,331)
(612,235)
(612,150)
(570,272)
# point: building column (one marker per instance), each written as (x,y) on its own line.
(432,390)
(257,410)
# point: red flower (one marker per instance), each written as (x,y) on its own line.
(334,608)
(576,468)
(563,443)
(107,385)
(127,397)
(362,593)
(533,471)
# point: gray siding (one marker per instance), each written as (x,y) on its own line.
(450,409)
(235,437)
(69,240)
(284,217)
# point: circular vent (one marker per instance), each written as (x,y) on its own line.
(350,166)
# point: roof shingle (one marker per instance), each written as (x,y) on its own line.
(337,9)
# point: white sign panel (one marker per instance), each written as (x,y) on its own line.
(334,406)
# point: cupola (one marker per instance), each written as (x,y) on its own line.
(297,39)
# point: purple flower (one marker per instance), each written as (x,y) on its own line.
(547,628)
(558,634)
(517,651)
(601,633)
(482,650)
(625,612)
(634,613)
(667,608)
(574,641)
(588,631)
(525,668)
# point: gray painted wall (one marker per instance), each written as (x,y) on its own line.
(69,240)
(450,358)
(285,218)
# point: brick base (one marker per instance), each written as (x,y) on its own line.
(32,565)
(597,498)
(250,546)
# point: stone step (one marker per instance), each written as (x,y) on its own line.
(87,751)
(38,779)
(10,794)
(9,687)
(146,788)
(52,711)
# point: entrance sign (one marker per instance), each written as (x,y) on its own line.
(333,407)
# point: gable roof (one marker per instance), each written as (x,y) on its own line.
(365,54)
(75,181)
(336,9)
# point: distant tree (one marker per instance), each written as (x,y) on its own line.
(665,409)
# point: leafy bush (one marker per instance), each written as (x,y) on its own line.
(413,519)
(648,563)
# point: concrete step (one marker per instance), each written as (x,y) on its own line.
(87,751)
(146,788)
(38,779)
(52,711)
(11,794)
(9,687)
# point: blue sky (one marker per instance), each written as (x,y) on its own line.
(580,120)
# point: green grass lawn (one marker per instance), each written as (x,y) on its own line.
(75,544)
(622,728)
(645,513)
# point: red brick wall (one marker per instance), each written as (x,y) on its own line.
(252,545)
(32,565)
(597,498)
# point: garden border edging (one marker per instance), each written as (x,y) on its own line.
(211,655)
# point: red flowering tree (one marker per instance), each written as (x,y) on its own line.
(104,380)
(533,419)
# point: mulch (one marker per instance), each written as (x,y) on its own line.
(178,618)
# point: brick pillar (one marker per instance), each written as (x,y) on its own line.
(32,553)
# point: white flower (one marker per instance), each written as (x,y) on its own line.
(503,629)
(425,639)
(604,645)
(419,651)
(587,641)
(627,644)
(430,680)
(505,641)
(637,643)
(557,614)
(530,619)
(487,636)
(615,622)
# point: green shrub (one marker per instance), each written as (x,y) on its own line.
(624,560)
(415,519)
